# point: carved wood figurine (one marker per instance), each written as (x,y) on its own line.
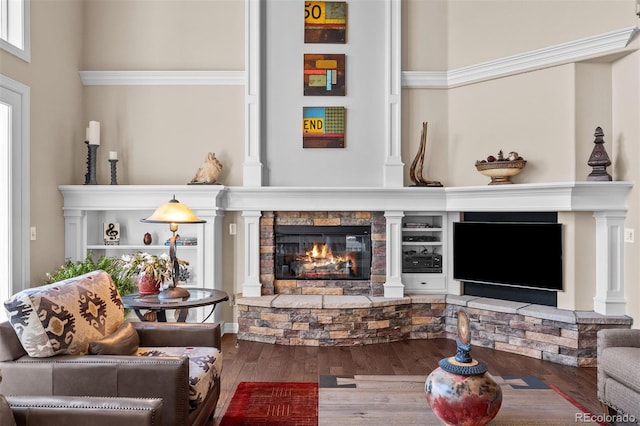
(209,172)
(415,171)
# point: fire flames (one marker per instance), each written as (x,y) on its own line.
(321,258)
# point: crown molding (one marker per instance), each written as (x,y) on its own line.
(595,46)
(162,78)
(590,47)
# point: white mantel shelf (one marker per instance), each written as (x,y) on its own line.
(554,196)
(558,196)
(607,201)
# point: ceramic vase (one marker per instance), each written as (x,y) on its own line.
(147,285)
(463,400)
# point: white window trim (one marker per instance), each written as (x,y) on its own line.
(23,52)
(20,192)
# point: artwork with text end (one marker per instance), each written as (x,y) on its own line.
(324,75)
(325,22)
(323,127)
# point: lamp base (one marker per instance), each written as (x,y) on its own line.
(174,293)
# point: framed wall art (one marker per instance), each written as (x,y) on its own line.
(324,74)
(325,22)
(323,127)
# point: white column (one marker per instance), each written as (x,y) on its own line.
(75,234)
(210,248)
(252,165)
(393,173)
(393,286)
(251,286)
(609,299)
(453,286)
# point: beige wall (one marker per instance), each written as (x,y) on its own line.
(164,35)
(480,31)
(163,133)
(56,115)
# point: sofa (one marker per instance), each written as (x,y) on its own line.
(619,373)
(84,411)
(70,339)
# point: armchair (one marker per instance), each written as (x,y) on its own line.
(618,373)
(177,363)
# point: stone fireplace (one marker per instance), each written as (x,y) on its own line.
(322,253)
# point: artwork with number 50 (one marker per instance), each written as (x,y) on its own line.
(325,22)
(323,127)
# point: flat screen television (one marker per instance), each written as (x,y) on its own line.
(508,253)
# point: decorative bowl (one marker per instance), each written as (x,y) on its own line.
(500,172)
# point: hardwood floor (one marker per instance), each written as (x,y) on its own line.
(261,362)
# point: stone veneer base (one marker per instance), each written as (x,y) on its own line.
(541,332)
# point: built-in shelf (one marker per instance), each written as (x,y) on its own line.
(606,200)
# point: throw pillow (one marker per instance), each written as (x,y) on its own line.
(6,415)
(63,317)
(124,341)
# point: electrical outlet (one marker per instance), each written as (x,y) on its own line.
(232,229)
(33,233)
(629,235)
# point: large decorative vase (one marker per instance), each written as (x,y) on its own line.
(460,391)
(147,285)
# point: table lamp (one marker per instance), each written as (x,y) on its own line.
(173,213)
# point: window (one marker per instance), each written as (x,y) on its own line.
(15,28)
(14,188)
(5,136)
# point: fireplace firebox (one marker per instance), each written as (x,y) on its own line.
(322,252)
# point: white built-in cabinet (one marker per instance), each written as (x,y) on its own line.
(424,252)
(87,208)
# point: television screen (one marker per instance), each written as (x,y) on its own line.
(515,253)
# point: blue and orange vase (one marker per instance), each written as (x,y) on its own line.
(461,392)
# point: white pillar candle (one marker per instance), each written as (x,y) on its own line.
(94,133)
(113,155)
(86,135)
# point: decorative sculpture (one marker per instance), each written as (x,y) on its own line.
(415,171)
(461,391)
(599,160)
(209,172)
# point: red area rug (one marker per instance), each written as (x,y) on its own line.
(273,403)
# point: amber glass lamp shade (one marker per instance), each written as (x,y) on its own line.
(173,212)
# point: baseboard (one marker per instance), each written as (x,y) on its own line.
(230,327)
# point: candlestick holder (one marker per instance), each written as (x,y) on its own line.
(90,177)
(114,178)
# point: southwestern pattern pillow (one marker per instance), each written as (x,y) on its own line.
(63,317)
(205,364)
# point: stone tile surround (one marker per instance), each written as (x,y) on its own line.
(371,287)
(541,332)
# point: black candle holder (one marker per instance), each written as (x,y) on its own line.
(90,177)
(86,175)
(114,178)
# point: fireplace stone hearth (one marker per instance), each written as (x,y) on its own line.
(541,332)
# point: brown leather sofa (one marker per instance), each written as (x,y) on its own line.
(122,377)
(618,374)
(84,411)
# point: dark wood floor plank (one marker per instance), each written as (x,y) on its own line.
(252,361)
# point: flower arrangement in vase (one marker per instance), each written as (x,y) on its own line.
(150,269)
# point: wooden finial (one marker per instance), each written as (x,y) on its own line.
(599,160)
